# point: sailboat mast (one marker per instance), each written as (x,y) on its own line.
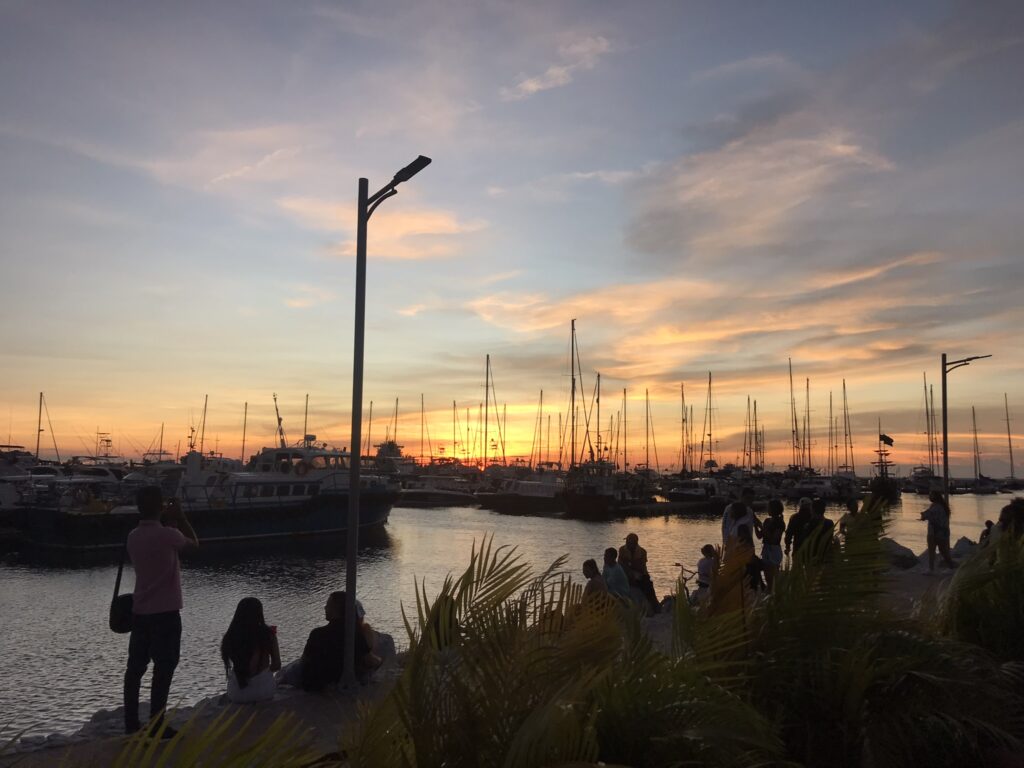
(758,463)
(369,429)
(807,425)
(487,403)
(422,422)
(831,468)
(1009,437)
(202,433)
(977,449)
(305,423)
(39,425)
(598,415)
(245,425)
(847,434)
(625,434)
(795,429)
(572,395)
(647,430)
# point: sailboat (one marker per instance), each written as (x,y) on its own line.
(883,485)
(982,484)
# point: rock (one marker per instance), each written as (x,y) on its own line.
(964,547)
(898,555)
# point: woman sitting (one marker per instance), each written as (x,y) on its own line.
(250,653)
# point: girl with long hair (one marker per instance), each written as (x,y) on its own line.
(937,516)
(250,654)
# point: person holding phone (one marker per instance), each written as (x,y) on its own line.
(156,604)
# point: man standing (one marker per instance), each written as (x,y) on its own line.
(156,604)
(633,559)
(740,513)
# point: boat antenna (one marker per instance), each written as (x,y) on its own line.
(280,423)
(1009,437)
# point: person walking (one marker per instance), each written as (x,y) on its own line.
(937,516)
(156,604)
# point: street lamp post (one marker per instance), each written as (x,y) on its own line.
(946,368)
(367,205)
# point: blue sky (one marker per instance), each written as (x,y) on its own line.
(704,186)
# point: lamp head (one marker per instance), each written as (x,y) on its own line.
(411,169)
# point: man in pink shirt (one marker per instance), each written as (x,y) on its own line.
(156,603)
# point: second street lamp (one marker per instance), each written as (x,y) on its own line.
(367,205)
(946,368)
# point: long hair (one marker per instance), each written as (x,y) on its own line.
(247,635)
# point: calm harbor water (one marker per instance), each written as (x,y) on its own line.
(62,663)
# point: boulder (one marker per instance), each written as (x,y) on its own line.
(963,547)
(898,555)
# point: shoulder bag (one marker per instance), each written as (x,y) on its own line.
(121,605)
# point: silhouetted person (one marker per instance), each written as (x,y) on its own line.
(850,517)
(156,604)
(771,533)
(796,529)
(937,516)
(739,513)
(614,576)
(986,532)
(324,654)
(754,565)
(595,583)
(250,654)
(633,559)
(819,532)
(707,568)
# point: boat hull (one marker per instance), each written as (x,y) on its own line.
(239,521)
(429,499)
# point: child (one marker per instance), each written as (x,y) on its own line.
(707,567)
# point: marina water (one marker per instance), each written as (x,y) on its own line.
(62,663)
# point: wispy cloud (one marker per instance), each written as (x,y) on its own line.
(398,233)
(305,296)
(577,56)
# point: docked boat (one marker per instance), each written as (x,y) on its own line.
(429,491)
(283,493)
(544,494)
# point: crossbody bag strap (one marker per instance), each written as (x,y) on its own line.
(120,569)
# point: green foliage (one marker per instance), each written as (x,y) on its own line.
(509,668)
(227,741)
(984,600)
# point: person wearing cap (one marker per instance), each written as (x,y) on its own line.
(633,559)
(323,657)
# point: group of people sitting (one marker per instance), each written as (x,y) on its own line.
(251,654)
(625,570)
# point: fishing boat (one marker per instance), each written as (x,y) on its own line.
(284,492)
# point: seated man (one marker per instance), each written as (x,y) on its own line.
(322,661)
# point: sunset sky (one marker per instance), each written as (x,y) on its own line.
(703,186)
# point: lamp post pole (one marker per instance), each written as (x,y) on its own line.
(367,205)
(946,368)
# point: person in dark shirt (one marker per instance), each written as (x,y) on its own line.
(324,655)
(797,526)
(819,532)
